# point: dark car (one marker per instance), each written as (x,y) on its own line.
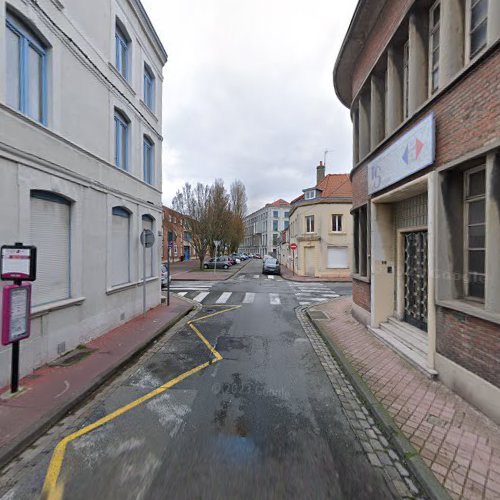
(219,263)
(271,266)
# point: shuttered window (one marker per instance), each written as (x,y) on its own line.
(147,223)
(120,246)
(50,233)
(338,258)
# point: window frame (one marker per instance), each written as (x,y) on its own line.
(309,224)
(406,79)
(121,123)
(361,243)
(433,29)
(27,40)
(148,160)
(310,194)
(467,200)
(122,41)
(337,223)
(120,211)
(470,30)
(149,87)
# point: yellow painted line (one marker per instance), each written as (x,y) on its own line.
(53,487)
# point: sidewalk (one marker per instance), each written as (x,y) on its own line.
(190,271)
(287,274)
(459,444)
(54,390)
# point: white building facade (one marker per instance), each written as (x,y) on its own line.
(80,164)
(263,228)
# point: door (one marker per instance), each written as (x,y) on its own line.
(415,279)
(309,261)
(186,253)
(338,258)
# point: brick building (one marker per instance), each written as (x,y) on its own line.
(421,79)
(175,230)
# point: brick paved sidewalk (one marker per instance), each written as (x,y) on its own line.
(459,444)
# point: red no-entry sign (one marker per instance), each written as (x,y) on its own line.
(293,247)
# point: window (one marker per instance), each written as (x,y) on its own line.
(148,161)
(147,223)
(275,239)
(475,232)
(478,25)
(310,195)
(26,71)
(338,258)
(434,28)
(287,215)
(286,224)
(406,78)
(275,225)
(176,251)
(122,46)
(275,214)
(120,246)
(337,223)
(310,224)
(149,88)
(361,241)
(50,232)
(121,140)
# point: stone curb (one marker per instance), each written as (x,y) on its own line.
(432,487)
(20,443)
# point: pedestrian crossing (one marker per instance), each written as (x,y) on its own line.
(267,277)
(308,293)
(233,298)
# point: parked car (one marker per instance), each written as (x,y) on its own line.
(217,263)
(232,260)
(271,266)
(165,277)
(257,256)
(266,257)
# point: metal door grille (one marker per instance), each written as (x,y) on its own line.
(416,279)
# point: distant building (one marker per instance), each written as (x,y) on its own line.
(80,164)
(263,228)
(421,79)
(177,232)
(321,227)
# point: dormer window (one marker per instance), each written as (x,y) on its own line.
(310,195)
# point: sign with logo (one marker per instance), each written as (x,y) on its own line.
(18,262)
(16,313)
(293,247)
(412,152)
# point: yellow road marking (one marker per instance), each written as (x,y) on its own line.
(53,487)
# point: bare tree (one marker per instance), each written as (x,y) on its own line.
(194,204)
(238,197)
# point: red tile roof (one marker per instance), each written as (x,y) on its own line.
(333,186)
(278,203)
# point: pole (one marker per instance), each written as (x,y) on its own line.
(215,261)
(144,277)
(168,275)
(14,375)
(293,261)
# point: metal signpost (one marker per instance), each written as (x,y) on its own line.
(17,263)
(147,241)
(216,243)
(170,247)
(293,247)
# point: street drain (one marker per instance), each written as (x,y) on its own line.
(73,357)
(209,310)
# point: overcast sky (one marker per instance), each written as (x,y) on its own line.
(248,93)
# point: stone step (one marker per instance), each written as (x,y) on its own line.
(413,356)
(412,340)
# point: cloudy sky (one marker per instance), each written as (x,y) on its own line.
(248,93)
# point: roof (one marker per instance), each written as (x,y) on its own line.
(332,186)
(278,203)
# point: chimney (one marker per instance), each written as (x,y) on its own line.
(320,172)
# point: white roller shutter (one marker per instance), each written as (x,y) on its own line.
(147,223)
(120,247)
(338,257)
(50,233)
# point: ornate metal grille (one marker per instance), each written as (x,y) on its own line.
(416,279)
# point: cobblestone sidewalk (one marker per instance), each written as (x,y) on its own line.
(459,444)
(377,448)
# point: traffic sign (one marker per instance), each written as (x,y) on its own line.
(293,247)
(147,238)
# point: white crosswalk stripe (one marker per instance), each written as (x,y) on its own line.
(182,294)
(223,298)
(201,296)
(309,293)
(249,298)
(256,276)
(274,299)
(270,277)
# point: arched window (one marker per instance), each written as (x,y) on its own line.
(121,140)
(148,223)
(122,45)
(148,160)
(26,68)
(50,232)
(120,246)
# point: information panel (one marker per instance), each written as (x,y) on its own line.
(16,313)
(18,262)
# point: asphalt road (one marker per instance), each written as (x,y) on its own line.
(264,422)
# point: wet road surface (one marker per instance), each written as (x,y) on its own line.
(264,422)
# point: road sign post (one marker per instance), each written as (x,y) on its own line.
(147,241)
(216,243)
(293,247)
(17,263)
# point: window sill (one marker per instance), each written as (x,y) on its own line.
(358,277)
(120,288)
(44,309)
(122,79)
(149,110)
(470,308)
(337,233)
(148,280)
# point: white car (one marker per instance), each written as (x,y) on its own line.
(165,276)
